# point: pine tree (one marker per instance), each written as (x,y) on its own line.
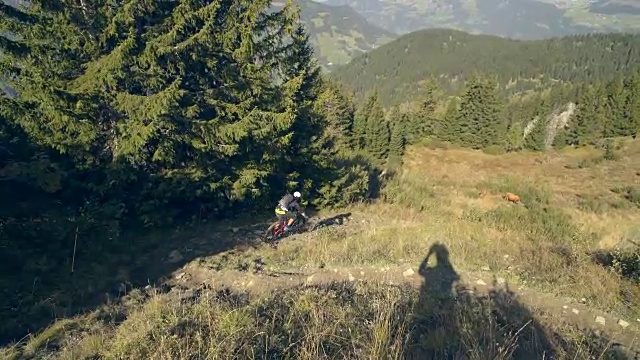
(614,108)
(515,133)
(361,121)
(450,128)
(378,132)
(338,111)
(397,141)
(479,115)
(422,123)
(588,124)
(536,138)
(51,109)
(631,113)
(300,70)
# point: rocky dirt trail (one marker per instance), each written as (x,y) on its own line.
(193,278)
(197,276)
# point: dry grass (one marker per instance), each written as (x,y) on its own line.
(545,243)
(569,212)
(338,320)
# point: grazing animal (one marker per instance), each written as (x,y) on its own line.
(511,197)
(482,194)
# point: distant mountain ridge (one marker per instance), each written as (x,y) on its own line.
(397,69)
(338,33)
(520,19)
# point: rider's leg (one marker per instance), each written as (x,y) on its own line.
(290,218)
(281,219)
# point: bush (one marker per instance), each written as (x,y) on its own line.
(609,153)
(631,193)
(355,179)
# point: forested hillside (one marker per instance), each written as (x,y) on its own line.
(151,114)
(481,115)
(397,68)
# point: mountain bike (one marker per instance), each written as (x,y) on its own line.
(276,230)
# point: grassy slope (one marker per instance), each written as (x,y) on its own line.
(569,212)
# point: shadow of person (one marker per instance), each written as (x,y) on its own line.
(439,280)
(451,321)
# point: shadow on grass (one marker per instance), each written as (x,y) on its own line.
(451,321)
(339,219)
(352,320)
(143,259)
(147,260)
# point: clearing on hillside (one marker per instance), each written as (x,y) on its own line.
(405,277)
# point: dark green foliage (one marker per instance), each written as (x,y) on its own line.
(589,121)
(378,132)
(361,122)
(397,142)
(397,68)
(422,122)
(156,114)
(338,110)
(631,113)
(479,122)
(449,128)
(609,151)
(536,138)
(514,140)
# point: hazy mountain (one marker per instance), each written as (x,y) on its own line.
(523,19)
(339,33)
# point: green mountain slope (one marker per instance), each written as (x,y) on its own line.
(339,33)
(524,19)
(397,68)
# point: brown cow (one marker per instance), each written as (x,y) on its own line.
(511,197)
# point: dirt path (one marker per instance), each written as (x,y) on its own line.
(625,332)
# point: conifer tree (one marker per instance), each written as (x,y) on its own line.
(422,123)
(536,138)
(397,142)
(588,124)
(300,68)
(614,108)
(514,141)
(361,121)
(449,129)
(42,72)
(479,115)
(378,132)
(631,113)
(338,111)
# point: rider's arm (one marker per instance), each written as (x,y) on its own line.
(295,205)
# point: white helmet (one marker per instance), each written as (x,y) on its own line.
(297,194)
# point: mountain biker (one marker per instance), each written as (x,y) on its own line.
(287,208)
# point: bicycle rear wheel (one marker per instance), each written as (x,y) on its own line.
(270,234)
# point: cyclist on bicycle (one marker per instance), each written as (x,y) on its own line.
(287,208)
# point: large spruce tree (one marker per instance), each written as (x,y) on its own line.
(479,117)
